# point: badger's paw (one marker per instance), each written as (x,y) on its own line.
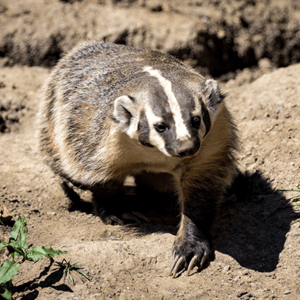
(189,253)
(109,219)
(133,218)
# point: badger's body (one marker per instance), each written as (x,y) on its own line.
(110,111)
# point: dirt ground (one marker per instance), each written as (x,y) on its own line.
(256,235)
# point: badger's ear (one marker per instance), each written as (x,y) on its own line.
(213,95)
(126,114)
(212,98)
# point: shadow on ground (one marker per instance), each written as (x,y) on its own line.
(52,278)
(251,225)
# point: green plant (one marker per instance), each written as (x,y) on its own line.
(298,191)
(68,267)
(17,247)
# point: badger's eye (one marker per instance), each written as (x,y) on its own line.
(161,127)
(196,122)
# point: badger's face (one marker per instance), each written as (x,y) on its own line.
(170,114)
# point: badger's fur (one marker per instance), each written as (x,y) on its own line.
(110,111)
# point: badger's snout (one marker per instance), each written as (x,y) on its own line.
(186,148)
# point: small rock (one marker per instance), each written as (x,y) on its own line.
(287,292)
(51,213)
(5,214)
(265,64)
(236,278)
(226,268)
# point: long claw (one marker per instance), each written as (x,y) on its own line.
(173,265)
(140,216)
(104,217)
(108,219)
(205,255)
(192,264)
(128,216)
(179,263)
(115,219)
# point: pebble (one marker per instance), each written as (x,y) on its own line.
(52,213)
(236,278)
(226,268)
(5,214)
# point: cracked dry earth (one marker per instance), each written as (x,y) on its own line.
(255,236)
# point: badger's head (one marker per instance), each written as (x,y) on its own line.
(172,113)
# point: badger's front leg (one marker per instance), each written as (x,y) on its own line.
(191,246)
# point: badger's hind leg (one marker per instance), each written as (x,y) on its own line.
(107,200)
(111,202)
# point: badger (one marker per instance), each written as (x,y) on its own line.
(111,111)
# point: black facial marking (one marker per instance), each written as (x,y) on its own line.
(206,118)
(196,120)
(131,98)
(144,130)
(158,97)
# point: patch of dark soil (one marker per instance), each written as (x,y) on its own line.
(16,100)
(216,37)
(220,54)
(10,113)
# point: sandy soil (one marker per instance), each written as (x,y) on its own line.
(257,233)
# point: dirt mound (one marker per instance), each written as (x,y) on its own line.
(18,95)
(216,37)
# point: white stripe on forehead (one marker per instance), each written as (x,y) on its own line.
(181,130)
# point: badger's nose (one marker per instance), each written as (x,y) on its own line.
(187,152)
(187,148)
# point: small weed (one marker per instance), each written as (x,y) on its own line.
(17,247)
(295,197)
(68,267)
